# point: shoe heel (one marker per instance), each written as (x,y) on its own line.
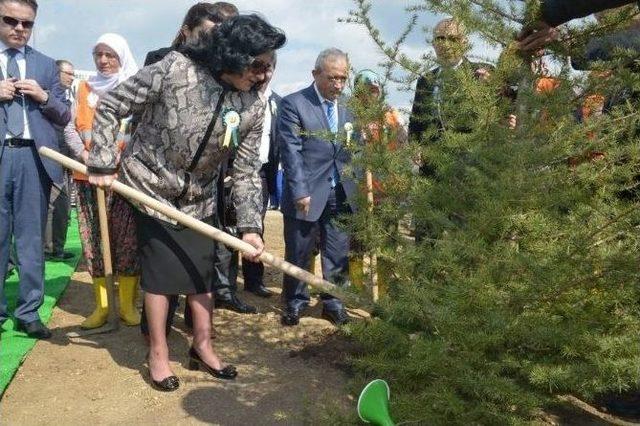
(193,365)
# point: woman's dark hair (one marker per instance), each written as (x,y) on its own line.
(235,43)
(215,12)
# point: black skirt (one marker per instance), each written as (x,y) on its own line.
(174,259)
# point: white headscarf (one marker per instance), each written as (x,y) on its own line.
(102,83)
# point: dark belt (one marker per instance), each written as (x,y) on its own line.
(18,143)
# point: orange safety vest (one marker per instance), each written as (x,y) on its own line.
(391,124)
(84,122)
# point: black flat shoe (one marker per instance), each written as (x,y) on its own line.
(168,384)
(196,363)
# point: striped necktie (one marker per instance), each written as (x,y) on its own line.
(332,118)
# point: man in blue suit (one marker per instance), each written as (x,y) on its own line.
(31,102)
(318,185)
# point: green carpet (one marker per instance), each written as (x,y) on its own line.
(14,346)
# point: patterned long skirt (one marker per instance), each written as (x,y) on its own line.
(122,232)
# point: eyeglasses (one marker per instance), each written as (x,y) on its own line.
(259,67)
(337,79)
(452,39)
(13,22)
(69,73)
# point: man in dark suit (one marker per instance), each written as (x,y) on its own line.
(433,105)
(253,272)
(318,187)
(438,104)
(59,202)
(32,102)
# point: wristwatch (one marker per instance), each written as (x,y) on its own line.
(48,96)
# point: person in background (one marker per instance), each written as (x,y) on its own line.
(317,188)
(555,12)
(253,272)
(438,100)
(32,104)
(389,130)
(114,64)
(59,201)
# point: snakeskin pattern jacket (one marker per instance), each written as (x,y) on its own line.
(168,158)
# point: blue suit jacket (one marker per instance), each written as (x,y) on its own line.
(308,161)
(42,118)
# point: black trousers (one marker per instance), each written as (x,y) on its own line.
(253,272)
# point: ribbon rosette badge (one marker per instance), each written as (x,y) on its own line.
(231,120)
(348,128)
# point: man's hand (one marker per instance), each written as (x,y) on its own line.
(32,89)
(103,181)
(7,89)
(532,39)
(303,205)
(256,241)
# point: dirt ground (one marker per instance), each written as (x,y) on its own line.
(285,374)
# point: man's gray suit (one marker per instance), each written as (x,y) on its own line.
(309,162)
(25,182)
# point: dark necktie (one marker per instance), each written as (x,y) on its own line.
(15,114)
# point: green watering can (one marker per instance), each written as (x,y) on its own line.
(373,404)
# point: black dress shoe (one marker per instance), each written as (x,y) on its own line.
(196,363)
(35,329)
(291,317)
(236,305)
(336,317)
(259,290)
(59,257)
(168,384)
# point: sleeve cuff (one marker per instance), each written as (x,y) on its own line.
(101,170)
(250,230)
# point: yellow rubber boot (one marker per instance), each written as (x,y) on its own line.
(356,271)
(312,263)
(384,276)
(127,292)
(99,316)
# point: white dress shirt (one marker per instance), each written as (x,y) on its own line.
(265,144)
(324,105)
(22,67)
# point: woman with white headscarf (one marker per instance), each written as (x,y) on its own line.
(114,64)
